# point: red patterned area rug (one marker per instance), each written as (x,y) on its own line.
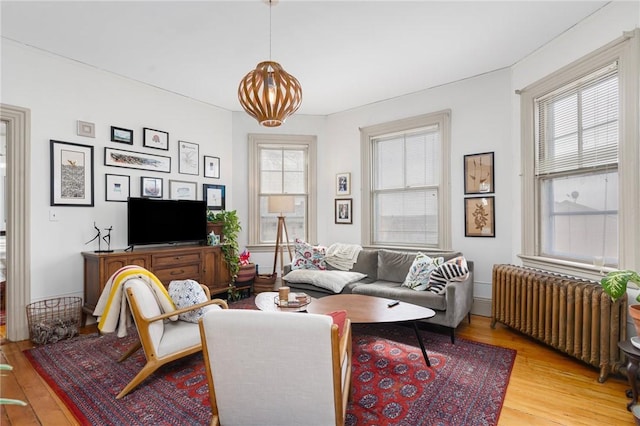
(391,384)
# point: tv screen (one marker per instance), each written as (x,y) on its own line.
(165,221)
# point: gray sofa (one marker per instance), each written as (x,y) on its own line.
(386,270)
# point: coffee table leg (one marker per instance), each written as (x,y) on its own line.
(424,351)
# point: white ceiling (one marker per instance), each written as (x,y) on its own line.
(344,53)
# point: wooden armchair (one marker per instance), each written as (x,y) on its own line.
(276,368)
(162,341)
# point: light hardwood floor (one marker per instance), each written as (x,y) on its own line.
(546,387)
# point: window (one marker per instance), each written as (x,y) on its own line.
(406,175)
(574,137)
(577,168)
(281,165)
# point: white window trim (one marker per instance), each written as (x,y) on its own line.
(625,50)
(443,119)
(255,140)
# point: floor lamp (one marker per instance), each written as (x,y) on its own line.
(281,204)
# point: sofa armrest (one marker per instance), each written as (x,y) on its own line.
(459,298)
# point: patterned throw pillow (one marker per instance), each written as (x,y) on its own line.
(452,270)
(185,293)
(418,276)
(308,257)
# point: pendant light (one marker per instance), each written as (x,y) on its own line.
(268,93)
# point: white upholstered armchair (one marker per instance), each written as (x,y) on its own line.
(162,341)
(276,368)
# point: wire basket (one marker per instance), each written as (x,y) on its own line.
(53,320)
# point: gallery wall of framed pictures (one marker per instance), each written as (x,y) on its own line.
(150,153)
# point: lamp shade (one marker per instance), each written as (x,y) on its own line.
(281,204)
(270,94)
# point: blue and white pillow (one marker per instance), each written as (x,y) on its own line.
(186,293)
(418,276)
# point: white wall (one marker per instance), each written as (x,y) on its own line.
(59,92)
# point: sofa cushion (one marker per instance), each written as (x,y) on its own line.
(418,276)
(307,256)
(330,280)
(395,291)
(394,265)
(451,271)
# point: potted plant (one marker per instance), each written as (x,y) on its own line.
(615,285)
(229,238)
(247,271)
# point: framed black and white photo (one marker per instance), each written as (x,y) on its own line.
(180,190)
(118,134)
(188,158)
(214,196)
(150,187)
(343,184)
(157,139)
(479,217)
(71,174)
(344,210)
(478,173)
(211,167)
(117,187)
(86,129)
(136,160)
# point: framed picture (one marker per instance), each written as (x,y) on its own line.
(117,187)
(136,160)
(86,129)
(188,155)
(211,167)
(118,134)
(180,190)
(478,173)
(344,210)
(71,174)
(157,139)
(479,217)
(214,196)
(150,187)
(343,184)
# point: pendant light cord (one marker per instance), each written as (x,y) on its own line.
(270,30)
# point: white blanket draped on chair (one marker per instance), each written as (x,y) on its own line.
(112,308)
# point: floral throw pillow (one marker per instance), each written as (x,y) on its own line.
(420,270)
(308,257)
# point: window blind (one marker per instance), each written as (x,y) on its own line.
(577,126)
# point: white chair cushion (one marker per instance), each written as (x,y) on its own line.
(149,307)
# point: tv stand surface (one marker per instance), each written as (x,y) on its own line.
(203,264)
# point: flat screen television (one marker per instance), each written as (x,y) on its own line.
(153,221)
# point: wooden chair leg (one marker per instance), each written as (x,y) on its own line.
(146,371)
(133,349)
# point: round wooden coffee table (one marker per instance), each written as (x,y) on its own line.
(371,309)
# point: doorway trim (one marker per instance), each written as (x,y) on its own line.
(18,219)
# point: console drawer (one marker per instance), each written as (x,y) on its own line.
(160,260)
(183,272)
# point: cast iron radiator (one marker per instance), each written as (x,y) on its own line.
(570,314)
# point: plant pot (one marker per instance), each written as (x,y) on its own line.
(216,227)
(246,274)
(634,313)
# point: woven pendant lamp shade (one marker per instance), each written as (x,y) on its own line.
(270,94)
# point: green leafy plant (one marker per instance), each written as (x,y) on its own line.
(10,401)
(229,245)
(615,283)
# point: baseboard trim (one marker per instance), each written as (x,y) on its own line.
(481,306)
